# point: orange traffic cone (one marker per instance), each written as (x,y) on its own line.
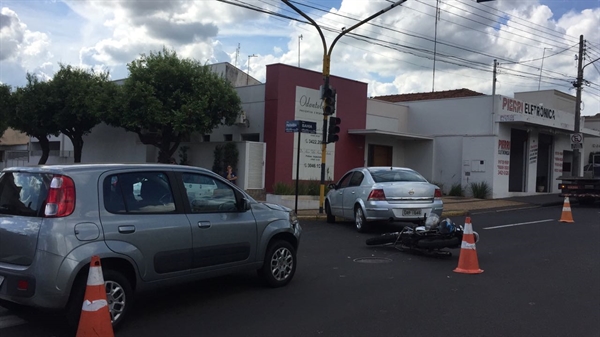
(566,215)
(95,317)
(467,261)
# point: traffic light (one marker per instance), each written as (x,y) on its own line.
(328,96)
(333,130)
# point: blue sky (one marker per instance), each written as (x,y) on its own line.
(393,56)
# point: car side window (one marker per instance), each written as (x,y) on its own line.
(345,181)
(356,179)
(207,194)
(138,192)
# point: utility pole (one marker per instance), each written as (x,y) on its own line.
(542,67)
(248,76)
(437,18)
(578,84)
(299,39)
(494,97)
(576,154)
(326,67)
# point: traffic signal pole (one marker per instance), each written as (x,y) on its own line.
(326,68)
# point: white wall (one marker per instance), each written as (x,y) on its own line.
(457,116)
(448,161)
(478,161)
(591,144)
(253,103)
(386,116)
(109,144)
(419,157)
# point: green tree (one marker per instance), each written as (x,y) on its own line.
(167,98)
(33,113)
(80,99)
(6,105)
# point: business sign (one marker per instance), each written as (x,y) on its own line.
(309,109)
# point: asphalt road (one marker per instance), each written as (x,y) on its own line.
(541,278)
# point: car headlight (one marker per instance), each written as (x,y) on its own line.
(293,218)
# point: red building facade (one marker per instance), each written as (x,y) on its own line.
(283,83)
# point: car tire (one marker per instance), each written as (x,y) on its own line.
(330,217)
(360,222)
(119,295)
(280,264)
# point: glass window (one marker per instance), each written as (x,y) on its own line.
(139,192)
(357,178)
(23,193)
(345,181)
(391,175)
(207,194)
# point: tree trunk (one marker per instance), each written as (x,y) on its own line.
(77,148)
(45,145)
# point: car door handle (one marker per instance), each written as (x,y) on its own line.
(126,229)
(203,224)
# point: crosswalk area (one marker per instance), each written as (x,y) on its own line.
(7,319)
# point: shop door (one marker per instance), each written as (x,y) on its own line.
(544,164)
(380,155)
(518,160)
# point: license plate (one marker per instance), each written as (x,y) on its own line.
(411,212)
(1,280)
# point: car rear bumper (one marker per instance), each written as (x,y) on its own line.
(33,285)
(378,211)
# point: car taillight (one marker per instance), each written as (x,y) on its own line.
(61,197)
(437,194)
(376,195)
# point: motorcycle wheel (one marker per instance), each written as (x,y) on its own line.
(382,239)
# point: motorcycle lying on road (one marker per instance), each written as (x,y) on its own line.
(430,238)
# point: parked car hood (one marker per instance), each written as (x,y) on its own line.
(276,207)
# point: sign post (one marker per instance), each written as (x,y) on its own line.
(299,126)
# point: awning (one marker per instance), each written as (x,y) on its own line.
(549,124)
(398,135)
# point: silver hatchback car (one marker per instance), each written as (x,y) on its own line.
(151,225)
(368,194)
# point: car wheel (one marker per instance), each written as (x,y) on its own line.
(330,217)
(280,264)
(119,296)
(359,219)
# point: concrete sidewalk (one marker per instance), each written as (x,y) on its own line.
(459,206)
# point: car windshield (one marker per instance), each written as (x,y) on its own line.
(393,175)
(23,193)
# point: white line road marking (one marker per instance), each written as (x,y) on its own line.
(11,320)
(520,224)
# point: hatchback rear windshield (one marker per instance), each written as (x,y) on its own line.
(387,175)
(23,193)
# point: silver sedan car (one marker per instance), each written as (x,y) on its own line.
(368,194)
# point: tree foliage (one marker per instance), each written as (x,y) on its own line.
(80,99)
(33,113)
(166,98)
(6,104)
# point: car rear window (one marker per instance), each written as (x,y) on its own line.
(387,175)
(23,193)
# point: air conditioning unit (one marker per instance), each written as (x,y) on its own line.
(242,119)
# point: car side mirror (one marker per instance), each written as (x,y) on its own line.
(244,205)
(332,186)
